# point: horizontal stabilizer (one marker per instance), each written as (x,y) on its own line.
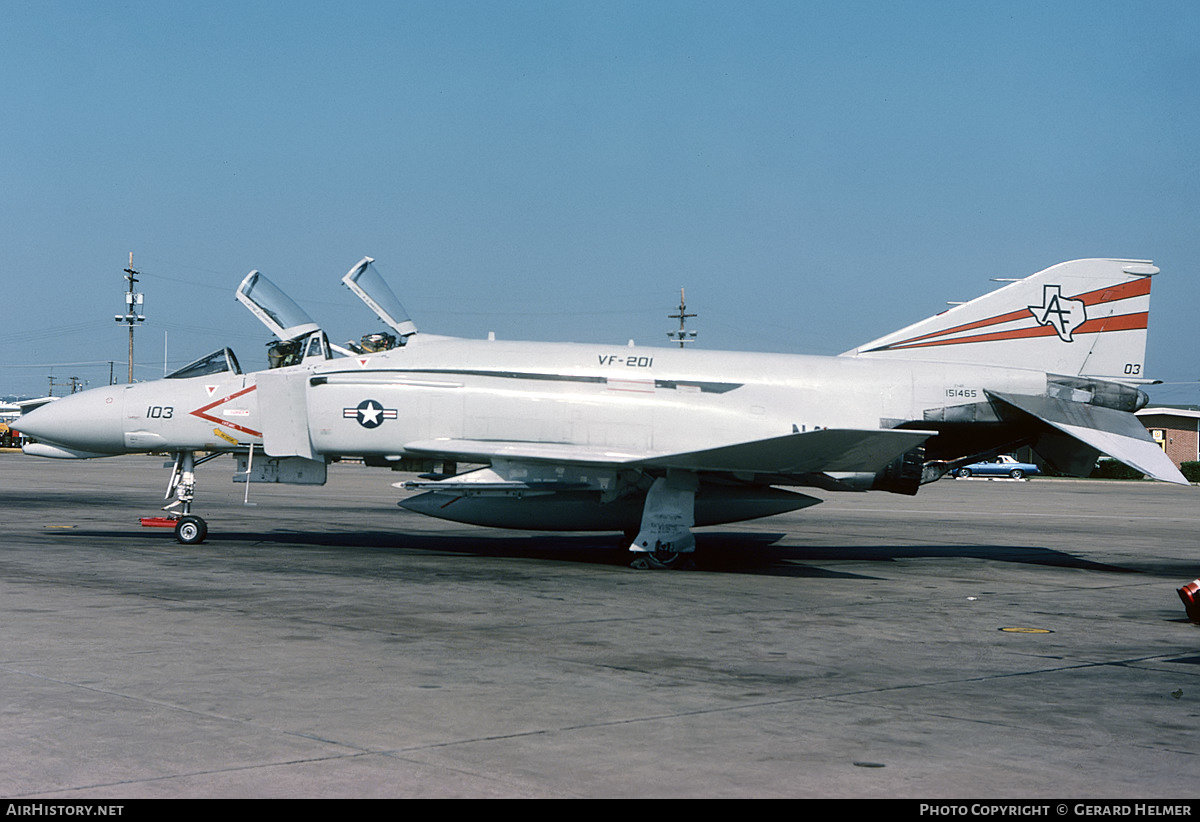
(838,450)
(1116,433)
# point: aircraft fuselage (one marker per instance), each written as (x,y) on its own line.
(625,398)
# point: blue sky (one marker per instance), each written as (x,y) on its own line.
(815,175)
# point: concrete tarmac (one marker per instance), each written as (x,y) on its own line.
(981,640)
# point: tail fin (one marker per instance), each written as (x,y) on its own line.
(1084,317)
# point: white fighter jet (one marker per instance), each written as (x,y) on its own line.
(650,442)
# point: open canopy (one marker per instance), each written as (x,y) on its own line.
(367,284)
(276,310)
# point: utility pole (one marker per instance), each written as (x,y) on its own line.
(133,307)
(75,384)
(683,335)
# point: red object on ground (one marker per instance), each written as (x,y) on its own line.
(1190,594)
(159,522)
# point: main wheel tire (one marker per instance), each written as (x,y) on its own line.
(191,530)
(660,560)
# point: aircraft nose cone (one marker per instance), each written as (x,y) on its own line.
(88,421)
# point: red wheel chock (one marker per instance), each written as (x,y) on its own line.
(1190,594)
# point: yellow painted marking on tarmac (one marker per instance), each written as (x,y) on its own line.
(59,526)
(1027,630)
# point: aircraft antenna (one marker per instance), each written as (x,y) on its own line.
(133,308)
(682,335)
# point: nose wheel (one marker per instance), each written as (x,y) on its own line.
(190,530)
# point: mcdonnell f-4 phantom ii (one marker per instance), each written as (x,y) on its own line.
(648,442)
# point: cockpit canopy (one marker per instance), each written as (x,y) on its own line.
(217,362)
(300,339)
(276,310)
(367,284)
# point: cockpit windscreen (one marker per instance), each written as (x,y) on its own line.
(215,363)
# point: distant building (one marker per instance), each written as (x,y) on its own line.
(1176,429)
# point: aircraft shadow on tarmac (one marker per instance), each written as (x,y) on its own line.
(723,552)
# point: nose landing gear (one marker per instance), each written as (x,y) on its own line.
(189,528)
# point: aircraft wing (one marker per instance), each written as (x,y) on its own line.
(827,450)
(463,450)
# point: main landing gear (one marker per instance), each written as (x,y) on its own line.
(664,540)
(189,528)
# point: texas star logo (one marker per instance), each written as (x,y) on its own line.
(1061,313)
(369,413)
